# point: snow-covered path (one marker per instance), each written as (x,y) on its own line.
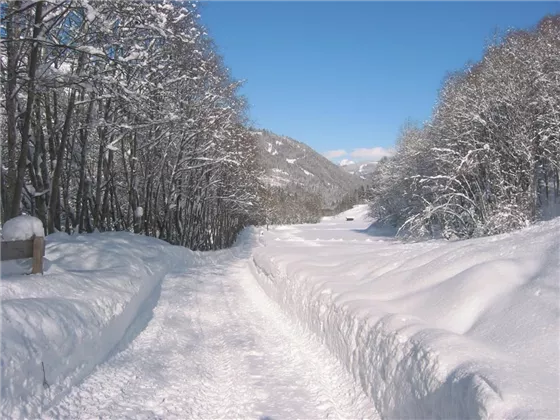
(217,347)
(436,329)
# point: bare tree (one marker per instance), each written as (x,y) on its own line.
(125,118)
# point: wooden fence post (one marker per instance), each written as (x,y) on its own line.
(38,252)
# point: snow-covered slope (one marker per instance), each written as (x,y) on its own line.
(74,317)
(287,161)
(431,330)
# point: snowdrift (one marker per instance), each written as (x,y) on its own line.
(430,330)
(96,295)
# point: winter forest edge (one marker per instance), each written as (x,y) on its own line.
(119,117)
(488,160)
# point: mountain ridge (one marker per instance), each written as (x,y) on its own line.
(296,173)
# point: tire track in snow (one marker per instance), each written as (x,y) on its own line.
(96,386)
(223,391)
(333,391)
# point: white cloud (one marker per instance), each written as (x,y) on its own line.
(375,153)
(331,154)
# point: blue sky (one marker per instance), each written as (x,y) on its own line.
(344,76)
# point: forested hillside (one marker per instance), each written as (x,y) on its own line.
(120,117)
(301,185)
(488,160)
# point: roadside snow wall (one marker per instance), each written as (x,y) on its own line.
(97,293)
(435,330)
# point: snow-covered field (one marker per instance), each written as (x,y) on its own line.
(309,321)
(430,330)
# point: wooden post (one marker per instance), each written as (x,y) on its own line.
(38,252)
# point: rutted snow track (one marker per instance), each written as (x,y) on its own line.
(217,347)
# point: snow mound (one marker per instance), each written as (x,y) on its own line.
(464,329)
(95,296)
(22,228)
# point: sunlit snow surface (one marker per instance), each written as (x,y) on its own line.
(130,327)
(431,330)
(95,288)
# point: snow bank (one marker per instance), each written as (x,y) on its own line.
(431,330)
(21,228)
(97,293)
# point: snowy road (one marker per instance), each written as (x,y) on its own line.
(217,347)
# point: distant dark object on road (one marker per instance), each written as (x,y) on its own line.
(349,219)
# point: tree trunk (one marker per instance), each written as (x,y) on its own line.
(8,184)
(55,190)
(22,162)
(80,202)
